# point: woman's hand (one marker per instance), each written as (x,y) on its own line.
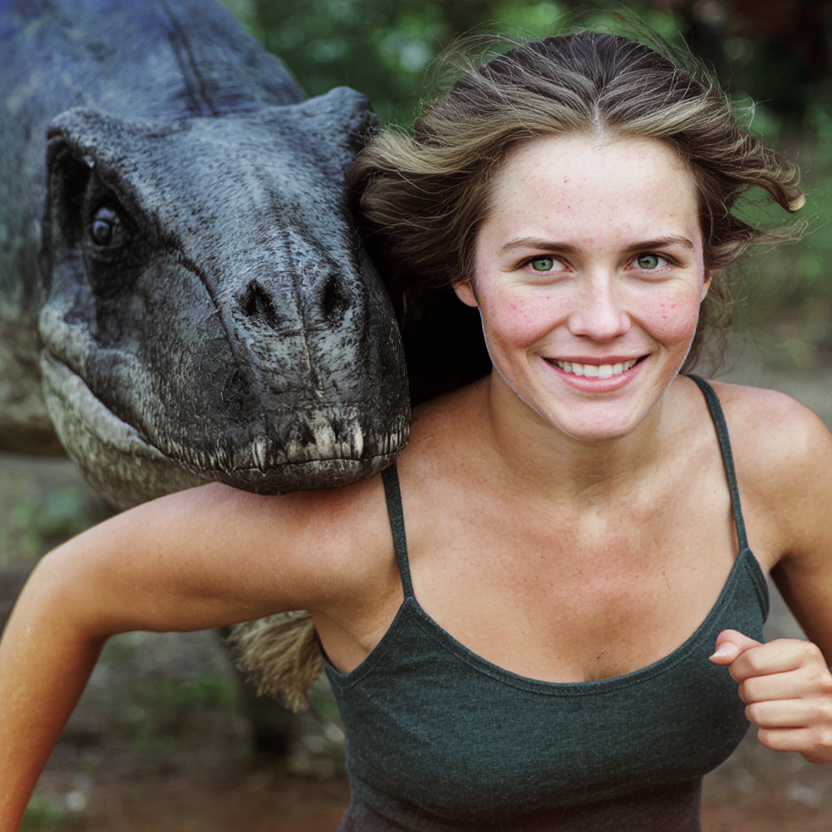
(787,688)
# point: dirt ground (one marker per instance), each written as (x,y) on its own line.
(158,742)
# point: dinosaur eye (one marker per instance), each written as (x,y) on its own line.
(106,228)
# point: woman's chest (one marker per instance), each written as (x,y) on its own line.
(573,599)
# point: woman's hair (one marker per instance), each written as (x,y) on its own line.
(422,197)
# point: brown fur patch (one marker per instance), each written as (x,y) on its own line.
(280,654)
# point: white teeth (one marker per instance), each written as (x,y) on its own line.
(596,370)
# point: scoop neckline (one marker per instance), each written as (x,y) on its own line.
(745,559)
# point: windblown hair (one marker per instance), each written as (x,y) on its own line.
(423,197)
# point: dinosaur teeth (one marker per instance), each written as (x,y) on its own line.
(259,453)
(357,441)
(325,439)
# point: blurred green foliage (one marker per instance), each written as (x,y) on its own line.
(42,503)
(384,49)
(44,522)
(45,811)
(207,689)
(155,715)
(151,708)
(774,54)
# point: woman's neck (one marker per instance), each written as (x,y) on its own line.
(536,456)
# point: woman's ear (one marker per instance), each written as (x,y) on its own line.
(707,284)
(465,292)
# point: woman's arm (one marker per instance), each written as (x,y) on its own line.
(786,684)
(200,559)
(44,667)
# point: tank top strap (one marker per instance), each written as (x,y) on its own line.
(718,417)
(393,494)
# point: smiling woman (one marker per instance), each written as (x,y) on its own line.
(567,636)
(589,277)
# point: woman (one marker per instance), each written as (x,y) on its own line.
(533,653)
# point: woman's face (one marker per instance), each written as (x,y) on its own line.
(589,276)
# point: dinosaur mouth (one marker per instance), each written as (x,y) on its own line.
(126,467)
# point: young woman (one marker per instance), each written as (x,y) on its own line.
(547,616)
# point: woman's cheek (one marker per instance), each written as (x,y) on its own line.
(671,319)
(518,322)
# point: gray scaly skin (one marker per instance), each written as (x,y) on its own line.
(182,298)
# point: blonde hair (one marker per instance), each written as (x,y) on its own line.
(423,196)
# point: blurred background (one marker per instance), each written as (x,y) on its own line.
(158,742)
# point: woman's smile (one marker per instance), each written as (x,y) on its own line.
(601,370)
(589,275)
(598,377)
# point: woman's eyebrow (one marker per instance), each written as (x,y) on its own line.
(567,248)
(663,242)
(538,243)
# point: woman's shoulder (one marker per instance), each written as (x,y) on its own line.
(783,456)
(448,418)
(771,423)
(345,531)
(316,546)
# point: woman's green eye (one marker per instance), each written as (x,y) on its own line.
(648,261)
(542,264)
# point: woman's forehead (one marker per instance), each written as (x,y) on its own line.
(580,181)
(575,157)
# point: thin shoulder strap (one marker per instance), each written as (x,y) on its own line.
(727,458)
(390,478)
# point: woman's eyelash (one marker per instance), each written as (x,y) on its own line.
(554,260)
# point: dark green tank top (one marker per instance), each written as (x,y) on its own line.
(439,739)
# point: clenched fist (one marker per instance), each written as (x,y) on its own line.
(787,689)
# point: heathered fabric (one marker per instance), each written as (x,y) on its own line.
(439,739)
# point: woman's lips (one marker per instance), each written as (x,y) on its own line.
(604,375)
(594,370)
(598,369)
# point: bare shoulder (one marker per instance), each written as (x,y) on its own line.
(771,428)
(447,421)
(328,544)
(783,456)
(333,547)
(783,453)
(214,555)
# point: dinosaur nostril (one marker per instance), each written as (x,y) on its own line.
(334,300)
(256,303)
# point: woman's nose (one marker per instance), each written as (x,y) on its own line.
(598,312)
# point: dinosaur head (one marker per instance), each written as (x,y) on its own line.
(207,307)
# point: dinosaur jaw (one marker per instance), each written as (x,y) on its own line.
(127,469)
(117,462)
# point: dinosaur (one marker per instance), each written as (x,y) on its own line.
(182,295)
